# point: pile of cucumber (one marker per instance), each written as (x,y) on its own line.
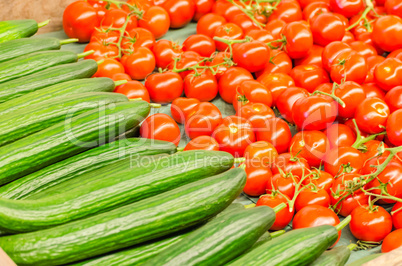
(75,190)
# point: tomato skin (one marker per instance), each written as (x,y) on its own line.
(349,65)
(363,48)
(392,241)
(115,18)
(313,58)
(164,87)
(289,164)
(121,76)
(181,12)
(186,59)
(309,197)
(321,179)
(208,23)
(337,158)
(284,216)
(251,91)
(279,62)
(351,94)
(286,184)
(161,127)
(287,99)
(331,52)
(371,114)
(275,27)
(299,39)
(288,11)
(348,8)
(394,129)
(101,50)
(202,143)
(340,135)
(202,7)
(305,3)
(225,9)
(138,37)
(201,44)
(369,225)
(348,37)
(244,22)
(228,31)
(309,76)
(314,9)
(257,179)
(108,68)
(230,80)
(260,35)
(133,89)
(139,64)
(260,153)
(393,98)
(372,62)
(276,83)
(334,29)
(103,35)
(80,20)
(257,113)
(275,131)
(182,108)
(372,90)
(219,58)
(156,20)
(388,74)
(391,175)
(387,33)
(397,215)
(164,52)
(252,56)
(203,121)
(201,86)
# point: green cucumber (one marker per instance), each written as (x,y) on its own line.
(363,260)
(82,163)
(35,62)
(129,225)
(53,75)
(56,91)
(219,241)
(337,256)
(43,115)
(15,48)
(110,187)
(69,138)
(16,29)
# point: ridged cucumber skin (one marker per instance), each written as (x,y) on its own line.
(69,138)
(16,29)
(218,241)
(56,91)
(297,247)
(35,62)
(53,75)
(129,225)
(337,256)
(108,188)
(15,48)
(43,115)
(82,163)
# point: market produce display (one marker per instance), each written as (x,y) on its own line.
(254,140)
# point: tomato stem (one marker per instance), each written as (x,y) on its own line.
(44,23)
(155,105)
(279,207)
(344,223)
(180,149)
(120,82)
(134,9)
(252,205)
(352,246)
(277,233)
(249,13)
(82,55)
(67,41)
(335,98)
(239,160)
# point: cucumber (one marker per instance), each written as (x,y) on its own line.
(35,62)
(338,256)
(56,91)
(15,48)
(43,115)
(363,260)
(220,240)
(129,225)
(69,138)
(110,187)
(16,29)
(53,75)
(82,163)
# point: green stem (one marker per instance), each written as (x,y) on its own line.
(120,82)
(100,61)
(363,140)
(67,41)
(82,55)
(155,105)
(252,205)
(352,246)
(277,233)
(44,23)
(180,149)
(248,13)
(335,98)
(239,160)
(279,207)
(363,16)
(344,223)
(122,30)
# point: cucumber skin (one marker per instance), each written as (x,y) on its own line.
(43,115)
(57,91)
(129,225)
(16,29)
(337,256)
(219,241)
(53,75)
(68,138)
(297,247)
(15,48)
(35,62)
(107,188)
(82,163)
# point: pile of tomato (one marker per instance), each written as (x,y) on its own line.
(331,69)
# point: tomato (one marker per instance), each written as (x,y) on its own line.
(202,86)
(393,98)
(276,83)
(343,159)
(394,129)
(116,18)
(327,28)
(138,37)
(104,35)
(121,76)
(160,127)
(229,81)
(309,76)
(314,9)
(140,63)
(288,11)
(331,52)
(252,56)
(133,89)
(315,215)
(202,143)
(260,153)
(348,37)
(165,51)
(371,115)
(257,179)
(305,3)
(229,31)
(370,165)
(201,44)
(297,166)
(349,66)
(284,183)
(260,35)
(156,20)
(371,149)
(372,62)
(234,134)
(108,68)
(279,62)
(80,20)
(388,74)
(251,91)
(315,112)
(321,179)
(340,135)
(164,87)
(100,7)
(393,7)
(257,113)
(397,215)
(392,176)
(244,22)
(372,90)
(314,57)
(217,63)
(363,48)
(101,50)
(203,121)
(352,94)
(387,33)
(396,54)
(299,39)
(287,99)
(392,241)
(310,145)
(181,12)
(284,216)
(275,27)
(182,108)
(370,225)
(186,59)
(225,9)
(348,8)
(202,7)
(208,23)
(309,196)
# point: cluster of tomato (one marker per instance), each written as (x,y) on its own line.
(332,68)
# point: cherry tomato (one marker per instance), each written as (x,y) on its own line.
(275,27)
(372,62)
(352,94)
(101,50)
(181,12)
(202,86)
(230,80)
(186,59)
(309,76)
(121,76)
(387,33)
(133,89)
(257,113)
(108,68)
(310,196)
(202,7)
(138,37)
(208,23)
(279,62)
(251,91)
(260,153)
(392,241)
(252,56)
(229,31)
(394,129)
(321,179)
(275,131)
(276,83)
(363,48)
(314,9)
(284,216)
(218,59)
(142,4)
(327,28)
(299,39)
(331,52)
(287,164)
(288,11)
(260,35)
(257,179)
(393,98)
(349,66)
(343,159)
(392,176)
(244,22)
(371,115)
(160,127)
(116,18)
(388,74)
(287,99)
(203,121)
(348,8)
(164,87)
(284,183)
(371,149)
(372,90)
(202,143)
(370,225)
(348,37)
(201,44)
(397,215)
(156,20)
(182,108)
(396,54)
(225,9)
(140,63)
(340,135)
(165,51)
(104,35)
(314,57)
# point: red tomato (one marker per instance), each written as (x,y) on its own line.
(186,59)
(392,241)
(165,51)
(288,11)
(348,8)
(260,153)
(394,128)
(260,35)
(279,62)
(108,68)
(309,76)
(230,80)
(276,83)
(372,147)
(397,215)
(393,7)
(104,35)
(234,134)
(387,33)
(202,7)
(363,48)
(314,9)
(287,99)
(252,56)
(392,176)
(156,20)
(349,66)
(372,62)
(217,63)
(372,90)
(286,184)
(229,31)
(133,89)
(343,159)
(371,115)
(275,27)
(138,37)
(183,108)
(116,18)
(370,225)
(208,23)
(164,87)
(244,22)
(203,121)
(348,37)
(388,74)
(314,57)
(201,44)
(181,12)
(251,91)
(310,196)
(202,86)
(160,127)
(396,54)
(140,63)
(284,216)
(225,9)
(121,76)
(257,113)
(327,28)
(288,164)
(340,135)
(202,143)
(393,98)
(321,179)
(275,131)
(101,50)
(257,179)
(331,52)
(352,94)
(299,39)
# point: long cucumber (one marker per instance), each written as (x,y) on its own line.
(337,256)
(53,75)
(69,138)
(129,225)
(16,29)
(88,161)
